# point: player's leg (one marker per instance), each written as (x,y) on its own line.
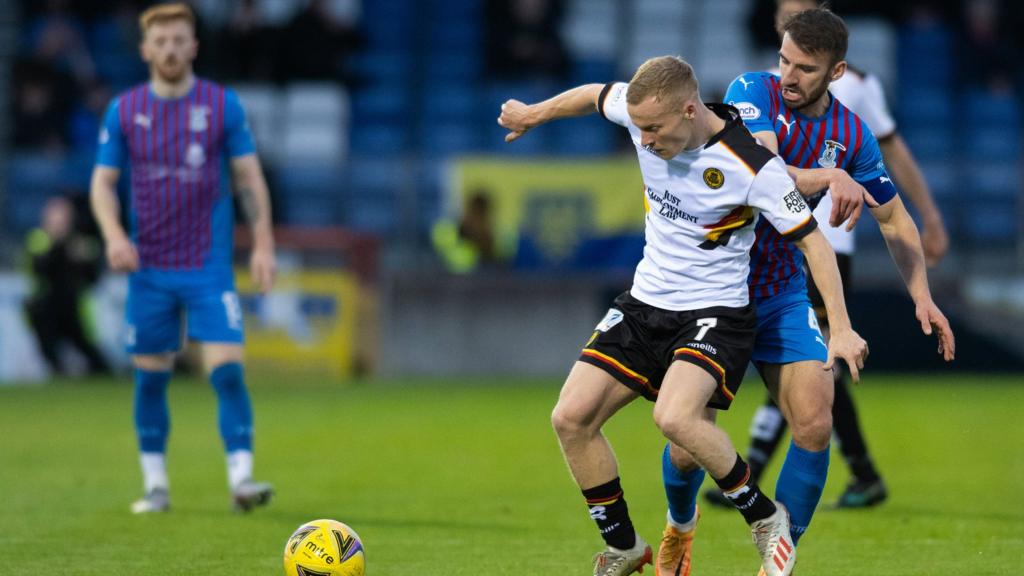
(804,392)
(215,320)
(682,478)
(767,428)
(682,414)
(154,334)
(866,487)
(589,397)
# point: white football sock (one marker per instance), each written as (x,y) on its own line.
(154,471)
(685,527)
(239,467)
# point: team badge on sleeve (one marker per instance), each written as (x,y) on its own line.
(714,178)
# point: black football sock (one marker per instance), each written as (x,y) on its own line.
(744,494)
(608,508)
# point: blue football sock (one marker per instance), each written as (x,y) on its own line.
(801,481)
(234,409)
(152,419)
(681,489)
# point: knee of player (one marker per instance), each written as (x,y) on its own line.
(812,431)
(672,422)
(567,419)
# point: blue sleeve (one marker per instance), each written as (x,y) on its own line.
(749,94)
(868,169)
(111,150)
(237,137)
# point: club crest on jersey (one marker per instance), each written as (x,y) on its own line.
(197,118)
(194,155)
(714,178)
(829,154)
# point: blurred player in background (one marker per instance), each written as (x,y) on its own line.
(862,94)
(683,334)
(177,135)
(823,143)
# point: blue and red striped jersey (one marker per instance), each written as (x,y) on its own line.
(836,139)
(176,152)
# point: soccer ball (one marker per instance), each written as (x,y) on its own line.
(324,548)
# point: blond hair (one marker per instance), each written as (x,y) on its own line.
(166,13)
(669,79)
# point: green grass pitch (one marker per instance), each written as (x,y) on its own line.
(466,478)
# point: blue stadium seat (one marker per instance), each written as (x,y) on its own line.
(925,104)
(443,138)
(388,67)
(986,108)
(991,223)
(994,144)
(941,176)
(936,143)
(383,102)
(380,138)
(443,100)
(453,65)
(309,195)
(590,136)
(991,179)
(585,71)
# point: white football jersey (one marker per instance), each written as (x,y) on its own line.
(701,207)
(863,95)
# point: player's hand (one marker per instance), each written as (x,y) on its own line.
(515,117)
(122,255)
(931,318)
(263,268)
(849,346)
(934,240)
(848,199)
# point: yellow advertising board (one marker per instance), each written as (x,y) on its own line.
(307,323)
(555,203)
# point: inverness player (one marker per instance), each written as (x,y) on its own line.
(818,137)
(177,135)
(682,335)
(862,94)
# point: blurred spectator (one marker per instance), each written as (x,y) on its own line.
(524,38)
(62,264)
(989,53)
(88,114)
(328,31)
(41,102)
(253,43)
(470,243)
(57,36)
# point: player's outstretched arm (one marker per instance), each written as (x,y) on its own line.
(844,342)
(254,197)
(518,117)
(904,244)
(907,173)
(121,253)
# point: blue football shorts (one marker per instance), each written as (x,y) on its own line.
(787,330)
(164,307)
